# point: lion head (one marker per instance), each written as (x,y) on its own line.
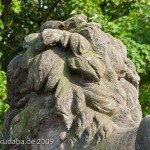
(75,70)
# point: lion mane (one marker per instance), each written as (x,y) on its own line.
(75,70)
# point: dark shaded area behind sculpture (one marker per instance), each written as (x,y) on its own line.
(79,74)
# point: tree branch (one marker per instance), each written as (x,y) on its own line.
(6,4)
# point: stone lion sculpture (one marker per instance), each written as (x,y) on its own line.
(75,86)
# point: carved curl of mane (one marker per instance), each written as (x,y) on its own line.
(86,78)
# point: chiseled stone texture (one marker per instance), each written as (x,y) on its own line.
(73,85)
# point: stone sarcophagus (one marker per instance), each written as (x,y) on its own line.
(74,88)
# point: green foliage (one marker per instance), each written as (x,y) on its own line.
(71,7)
(1,23)
(1,8)
(3,105)
(16,7)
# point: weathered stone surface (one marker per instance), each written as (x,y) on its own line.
(75,86)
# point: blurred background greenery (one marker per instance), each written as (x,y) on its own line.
(128,20)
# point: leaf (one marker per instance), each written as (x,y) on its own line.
(1,24)
(16,6)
